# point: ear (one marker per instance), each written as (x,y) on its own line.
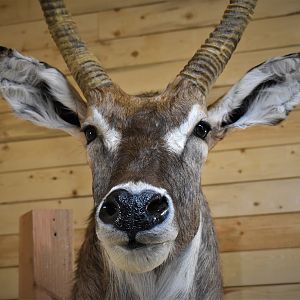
(265,95)
(39,93)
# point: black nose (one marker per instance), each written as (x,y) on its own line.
(134,212)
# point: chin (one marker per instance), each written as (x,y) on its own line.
(142,259)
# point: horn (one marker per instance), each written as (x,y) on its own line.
(83,65)
(210,60)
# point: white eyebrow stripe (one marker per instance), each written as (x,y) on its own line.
(176,138)
(112,137)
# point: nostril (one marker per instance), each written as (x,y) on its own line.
(109,211)
(158,206)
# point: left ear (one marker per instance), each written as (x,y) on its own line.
(40,93)
(265,95)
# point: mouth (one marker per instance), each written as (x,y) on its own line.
(133,244)
(136,257)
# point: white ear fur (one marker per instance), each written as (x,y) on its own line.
(265,95)
(39,93)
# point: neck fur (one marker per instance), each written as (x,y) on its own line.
(174,281)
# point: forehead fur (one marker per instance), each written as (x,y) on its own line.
(172,105)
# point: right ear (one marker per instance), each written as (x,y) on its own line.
(40,93)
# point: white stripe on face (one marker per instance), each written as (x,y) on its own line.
(138,187)
(176,138)
(112,137)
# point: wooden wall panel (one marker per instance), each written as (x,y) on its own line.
(178,15)
(145,77)
(254,197)
(259,232)
(261,267)
(252,178)
(52,183)
(19,11)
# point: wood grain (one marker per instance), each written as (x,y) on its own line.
(259,232)
(261,267)
(14,129)
(145,77)
(252,164)
(61,151)
(178,15)
(46,254)
(10,214)
(20,11)
(254,198)
(53,183)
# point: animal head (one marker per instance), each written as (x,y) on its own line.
(146,151)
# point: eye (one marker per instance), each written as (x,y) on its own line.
(202,129)
(90,133)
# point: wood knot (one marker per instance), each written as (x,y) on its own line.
(189,16)
(135,53)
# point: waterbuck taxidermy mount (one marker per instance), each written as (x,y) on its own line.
(150,235)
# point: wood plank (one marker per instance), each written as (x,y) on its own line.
(14,129)
(254,198)
(222,167)
(54,183)
(9,283)
(259,267)
(11,213)
(25,11)
(266,292)
(145,77)
(176,15)
(259,232)
(61,151)
(284,133)
(35,35)
(4,108)
(252,164)
(179,45)
(9,249)
(46,254)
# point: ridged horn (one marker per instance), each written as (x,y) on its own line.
(83,65)
(210,60)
